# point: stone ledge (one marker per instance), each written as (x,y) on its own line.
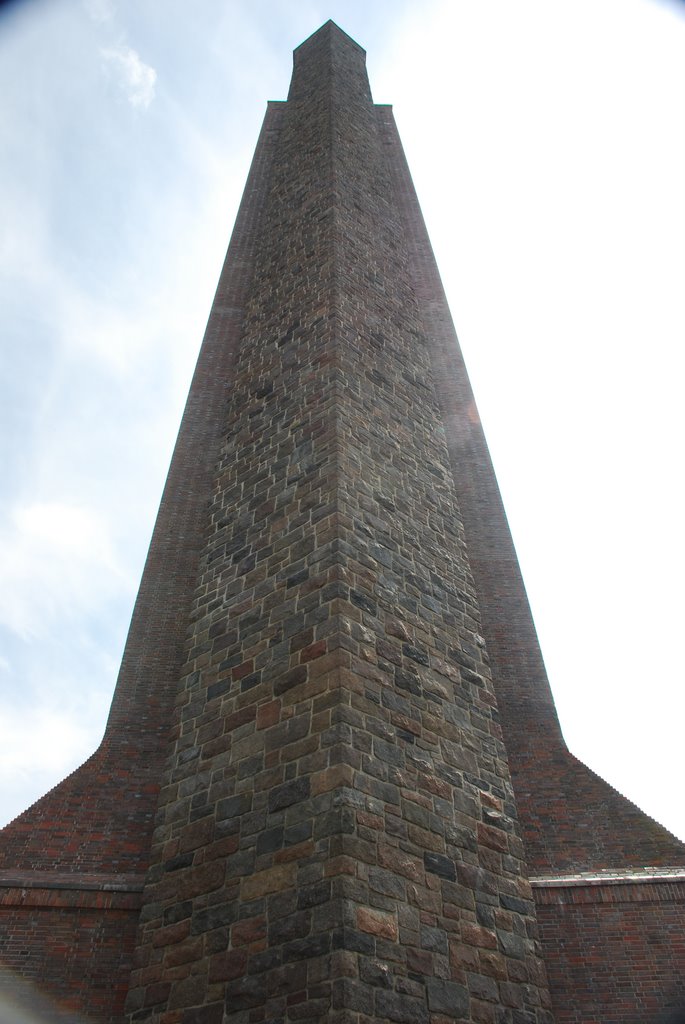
(651,885)
(71,880)
(625,876)
(71,889)
(76,891)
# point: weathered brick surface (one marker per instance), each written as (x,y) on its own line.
(571,819)
(615,954)
(362,816)
(85,925)
(100,819)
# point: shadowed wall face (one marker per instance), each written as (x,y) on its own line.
(616,952)
(337,833)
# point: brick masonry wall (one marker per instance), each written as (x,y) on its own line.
(100,819)
(77,931)
(571,818)
(615,953)
(337,838)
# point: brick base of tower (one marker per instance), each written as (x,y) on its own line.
(333,753)
(614,946)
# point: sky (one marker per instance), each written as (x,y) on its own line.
(547,146)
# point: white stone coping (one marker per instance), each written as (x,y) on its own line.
(617,876)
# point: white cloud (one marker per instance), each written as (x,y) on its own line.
(56,558)
(100,11)
(136,78)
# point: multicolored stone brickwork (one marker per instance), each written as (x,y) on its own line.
(333,772)
(337,817)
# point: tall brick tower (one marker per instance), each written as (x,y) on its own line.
(333,786)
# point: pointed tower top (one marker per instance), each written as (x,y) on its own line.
(329,52)
(328,31)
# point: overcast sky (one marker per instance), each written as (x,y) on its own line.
(547,144)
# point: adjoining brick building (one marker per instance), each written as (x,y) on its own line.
(333,785)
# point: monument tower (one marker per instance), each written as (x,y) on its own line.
(333,785)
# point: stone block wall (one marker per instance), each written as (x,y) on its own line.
(337,836)
(571,818)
